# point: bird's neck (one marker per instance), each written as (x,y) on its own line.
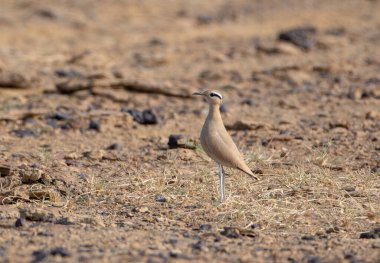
(214,113)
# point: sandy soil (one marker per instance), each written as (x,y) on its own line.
(91,91)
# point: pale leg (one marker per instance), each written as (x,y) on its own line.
(221,182)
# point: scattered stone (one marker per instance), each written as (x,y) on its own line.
(314,259)
(40,255)
(46,13)
(161,198)
(308,238)
(5,170)
(173,140)
(230,232)
(198,245)
(179,141)
(373,234)
(68,73)
(223,108)
(36,214)
(30,174)
(60,251)
(20,222)
(143,117)
(205,227)
(114,146)
(302,37)
(94,125)
(27,132)
(65,221)
(204,19)
(45,233)
(249,102)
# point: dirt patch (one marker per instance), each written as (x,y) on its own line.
(100,159)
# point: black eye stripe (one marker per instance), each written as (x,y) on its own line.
(214,94)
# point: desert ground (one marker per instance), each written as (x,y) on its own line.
(100,157)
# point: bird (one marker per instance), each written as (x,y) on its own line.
(216,141)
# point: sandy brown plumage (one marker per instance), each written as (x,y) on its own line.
(216,141)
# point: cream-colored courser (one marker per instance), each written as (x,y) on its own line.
(216,141)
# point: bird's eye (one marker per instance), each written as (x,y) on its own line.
(215,94)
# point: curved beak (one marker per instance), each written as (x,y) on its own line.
(197,93)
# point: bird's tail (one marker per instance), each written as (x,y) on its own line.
(248,171)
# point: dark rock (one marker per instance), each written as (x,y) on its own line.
(114,146)
(314,259)
(205,227)
(161,198)
(145,117)
(40,255)
(230,232)
(24,132)
(156,42)
(223,108)
(302,37)
(173,140)
(249,102)
(2,252)
(265,142)
(20,222)
(60,116)
(5,170)
(45,233)
(254,226)
(375,169)
(351,258)
(373,234)
(47,13)
(149,117)
(66,126)
(171,241)
(94,125)
(64,221)
(68,73)
(204,19)
(308,238)
(61,251)
(198,245)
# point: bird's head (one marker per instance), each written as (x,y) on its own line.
(213,97)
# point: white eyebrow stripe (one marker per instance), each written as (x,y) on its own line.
(214,93)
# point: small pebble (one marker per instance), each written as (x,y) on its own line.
(173,140)
(205,227)
(230,232)
(94,125)
(20,222)
(114,146)
(61,251)
(161,199)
